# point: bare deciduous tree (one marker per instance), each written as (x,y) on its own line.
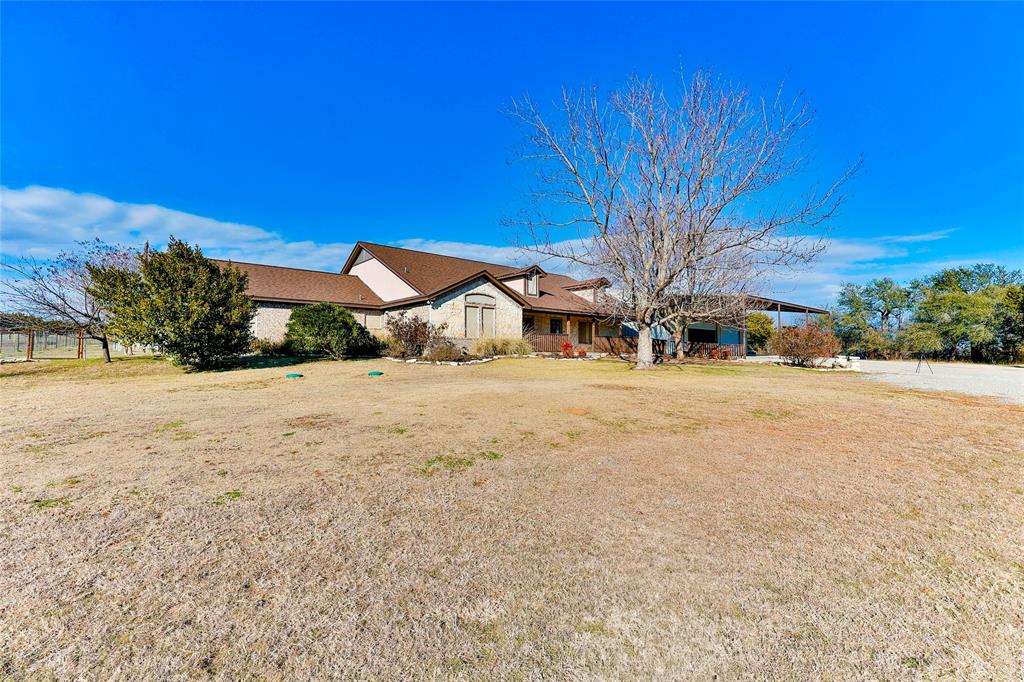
(713,289)
(642,187)
(55,290)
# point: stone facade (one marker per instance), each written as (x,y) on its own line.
(271,321)
(450,310)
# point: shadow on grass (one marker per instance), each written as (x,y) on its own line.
(265,362)
(272,361)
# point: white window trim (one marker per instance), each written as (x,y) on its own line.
(478,317)
(532,284)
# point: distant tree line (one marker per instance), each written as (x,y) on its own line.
(24,322)
(970,313)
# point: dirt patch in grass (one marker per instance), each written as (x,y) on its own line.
(519,519)
(314,422)
(614,387)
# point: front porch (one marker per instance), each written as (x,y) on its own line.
(548,332)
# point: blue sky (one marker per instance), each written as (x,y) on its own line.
(282,133)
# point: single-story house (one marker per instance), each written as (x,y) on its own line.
(471,298)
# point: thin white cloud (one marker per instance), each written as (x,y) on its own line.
(933,236)
(42,221)
(860,260)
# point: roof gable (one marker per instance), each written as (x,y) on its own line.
(433,274)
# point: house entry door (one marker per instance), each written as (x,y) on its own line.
(586,332)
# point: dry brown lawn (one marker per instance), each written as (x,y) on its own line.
(524,519)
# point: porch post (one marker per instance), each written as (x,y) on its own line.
(807,317)
(743,333)
(778,315)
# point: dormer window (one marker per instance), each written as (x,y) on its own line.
(531,283)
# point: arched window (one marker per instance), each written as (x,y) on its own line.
(479,316)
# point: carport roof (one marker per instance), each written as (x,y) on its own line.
(764,303)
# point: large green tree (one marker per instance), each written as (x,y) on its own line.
(966,307)
(851,318)
(869,316)
(956,312)
(760,329)
(194,311)
(888,302)
(1012,322)
(966,322)
(972,279)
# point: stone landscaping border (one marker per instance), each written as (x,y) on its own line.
(454,363)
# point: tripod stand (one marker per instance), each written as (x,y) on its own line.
(920,359)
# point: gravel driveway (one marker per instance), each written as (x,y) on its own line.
(999,381)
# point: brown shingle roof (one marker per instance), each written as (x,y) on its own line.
(430,273)
(293,285)
(555,297)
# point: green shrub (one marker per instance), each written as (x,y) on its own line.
(492,347)
(191,309)
(264,347)
(329,328)
(875,344)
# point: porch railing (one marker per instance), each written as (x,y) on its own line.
(624,345)
(706,349)
(615,345)
(547,343)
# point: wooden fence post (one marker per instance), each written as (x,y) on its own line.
(81,342)
(31,343)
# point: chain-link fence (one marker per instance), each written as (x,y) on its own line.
(44,344)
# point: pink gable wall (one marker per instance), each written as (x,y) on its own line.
(384,283)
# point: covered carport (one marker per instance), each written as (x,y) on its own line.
(769,305)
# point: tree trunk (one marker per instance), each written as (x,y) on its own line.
(644,349)
(976,354)
(105,344)
(677,339)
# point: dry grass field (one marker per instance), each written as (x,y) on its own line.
(523,519)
